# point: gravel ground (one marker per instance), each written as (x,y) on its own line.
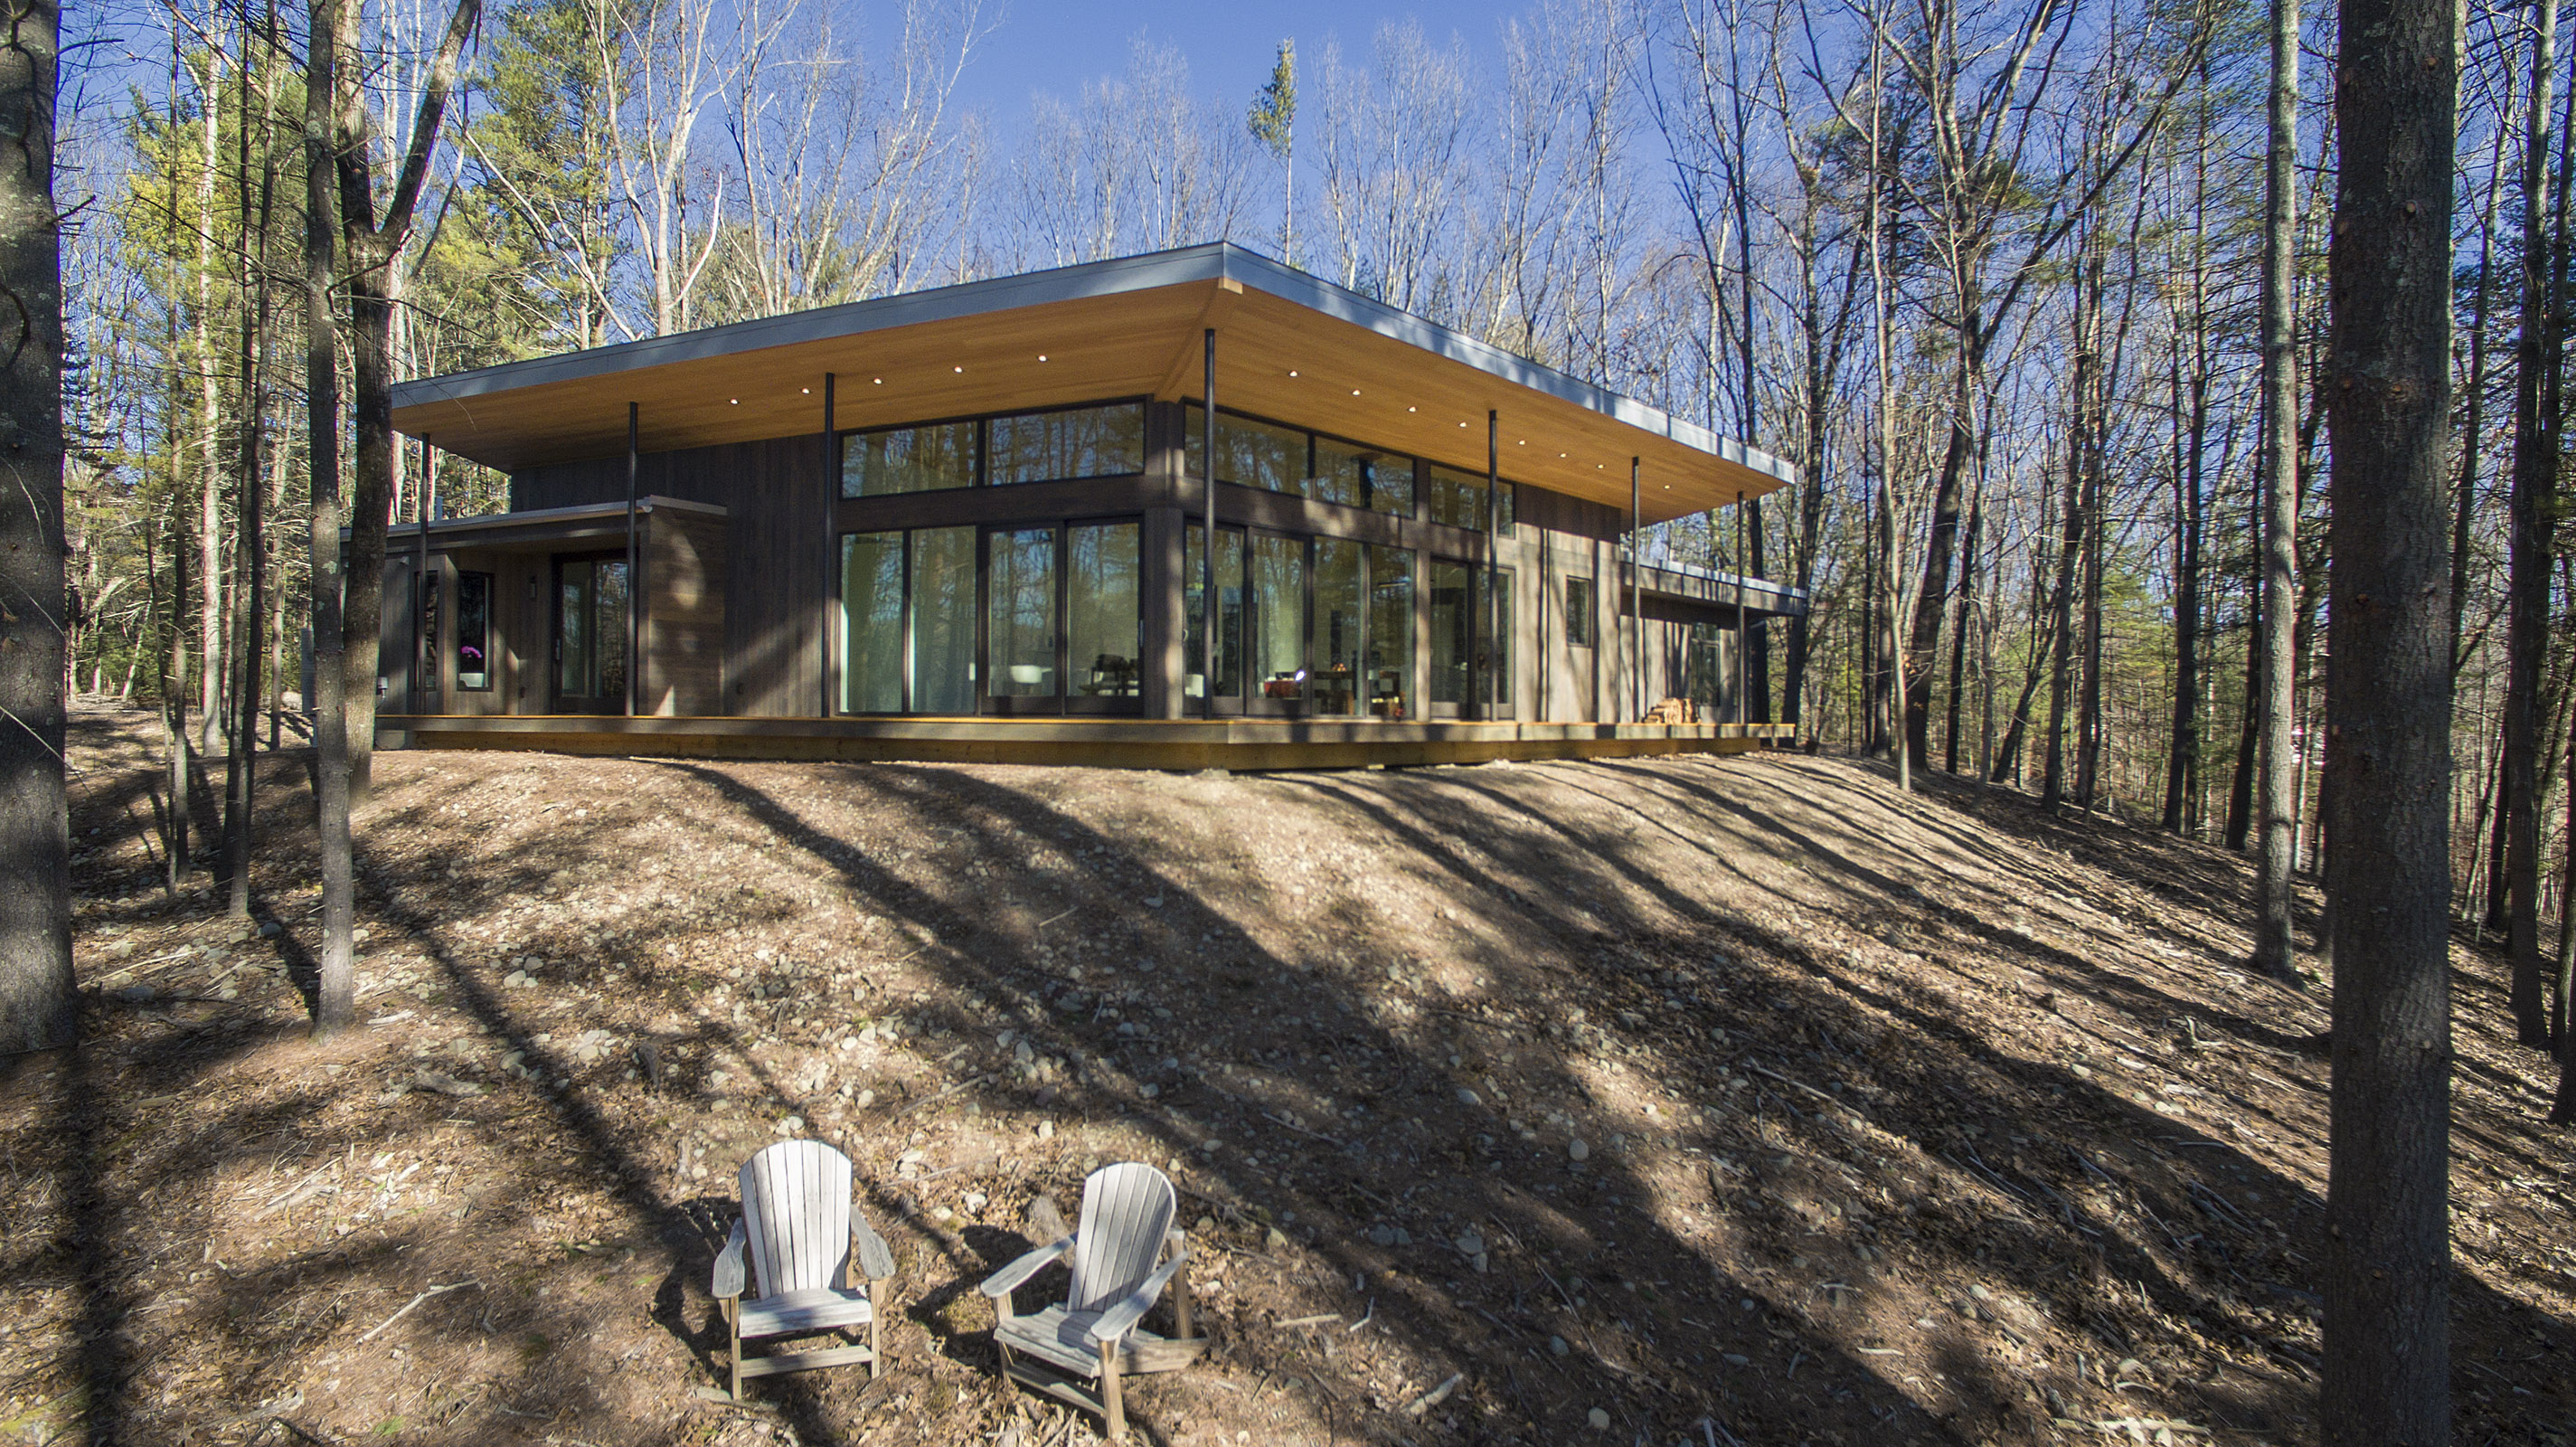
(1718,1101)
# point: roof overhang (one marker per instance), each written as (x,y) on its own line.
(537,530)
(1289,346)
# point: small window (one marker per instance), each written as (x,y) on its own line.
(1578,612)
(473,632)
(908,459)
(1061,446)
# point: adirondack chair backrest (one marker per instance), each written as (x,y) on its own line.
(796,1209)
(1126,1210)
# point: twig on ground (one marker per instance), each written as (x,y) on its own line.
(415,1301)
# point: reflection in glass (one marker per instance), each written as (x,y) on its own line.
(1457,498)
(1104,619)
(1389,673)
(1335,683)
(1362,477)
(1056,446)
(943,620)
(1278,621)
(1019,619)
(473,631)
(1579,617)
(872,623)
(1252,454)
(1497,624)
(908,459)
(590,633)
(1229,611)
(1453,638)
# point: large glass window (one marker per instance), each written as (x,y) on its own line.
(1389,675)
(1470,646)
(1019,617)
(908,459)
(1104,617)
(1278,616)
(1362,477)
(1229,611)
(1458,499)
(1340,619)
(1056,446)
(473,632)
(872,623)
(943,620)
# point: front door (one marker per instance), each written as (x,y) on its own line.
(590,634)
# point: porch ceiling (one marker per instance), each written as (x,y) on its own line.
(1125,328)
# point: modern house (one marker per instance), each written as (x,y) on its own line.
(975,523)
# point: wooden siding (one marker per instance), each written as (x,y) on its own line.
(685,579)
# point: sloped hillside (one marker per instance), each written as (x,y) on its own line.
(1632,1096)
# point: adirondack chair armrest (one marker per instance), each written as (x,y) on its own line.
(1001,1282)
(729,1282)
(876,1262)
(1121,1319)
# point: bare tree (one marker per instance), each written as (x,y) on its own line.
(36,1002)
(2278,701)
(2386,1274)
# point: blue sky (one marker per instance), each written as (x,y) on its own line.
(1055,47)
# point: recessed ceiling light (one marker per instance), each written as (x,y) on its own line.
(880,381)
(1412,409)
(1462,424)
(1292,371)
(808,391)
(957,369)
(1041,356)
(733,401)
(1355,391)
(1560,454)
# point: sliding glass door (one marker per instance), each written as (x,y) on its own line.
(590,635)
(1026,619)
(1315,627)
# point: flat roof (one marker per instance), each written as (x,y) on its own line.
(1288,345)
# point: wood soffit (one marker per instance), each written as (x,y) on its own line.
(1288,346)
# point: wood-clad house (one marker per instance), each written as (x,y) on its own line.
(973,522)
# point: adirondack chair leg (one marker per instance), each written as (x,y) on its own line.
(733,1358)
(1181,1307)
(876,1328)
(1109,1398)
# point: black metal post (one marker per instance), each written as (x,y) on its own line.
(1636,616)
(831,541)
(420,584)
(634,594)
(1743,638)
(1491,695)
(1207,552)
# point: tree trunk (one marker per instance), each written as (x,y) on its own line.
(335,996)
(37,1003)
(1959,630)
(2275,856)
(2052,787)
(371,481)
(2535,467)
(210,411)
(2387,1248)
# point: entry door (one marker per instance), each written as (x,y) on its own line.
(590,635)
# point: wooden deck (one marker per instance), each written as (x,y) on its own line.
(1123,743)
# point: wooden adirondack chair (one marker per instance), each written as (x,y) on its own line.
(809,1247)
(1097,1335)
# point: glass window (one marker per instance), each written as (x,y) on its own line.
(908,459)
(1055,446)
(1249,453)
(1104,619)
(943,620)
(590,634)
(1340,616)
(1389,675)
(1019,615)
(1458,499)
(474,632)
(1453,637)
(1578,612)
(1361,477)
(872,623)
(1229,611)
(1278,616)
(1497,622)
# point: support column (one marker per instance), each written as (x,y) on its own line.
(826,662)
(420,583)
(1636,615)
(1489,695)
(1207,553)
(634,582)
(1743,639)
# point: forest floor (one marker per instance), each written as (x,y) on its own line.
(1716,1101)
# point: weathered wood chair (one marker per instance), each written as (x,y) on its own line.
(809,1248)
(1097,1335)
